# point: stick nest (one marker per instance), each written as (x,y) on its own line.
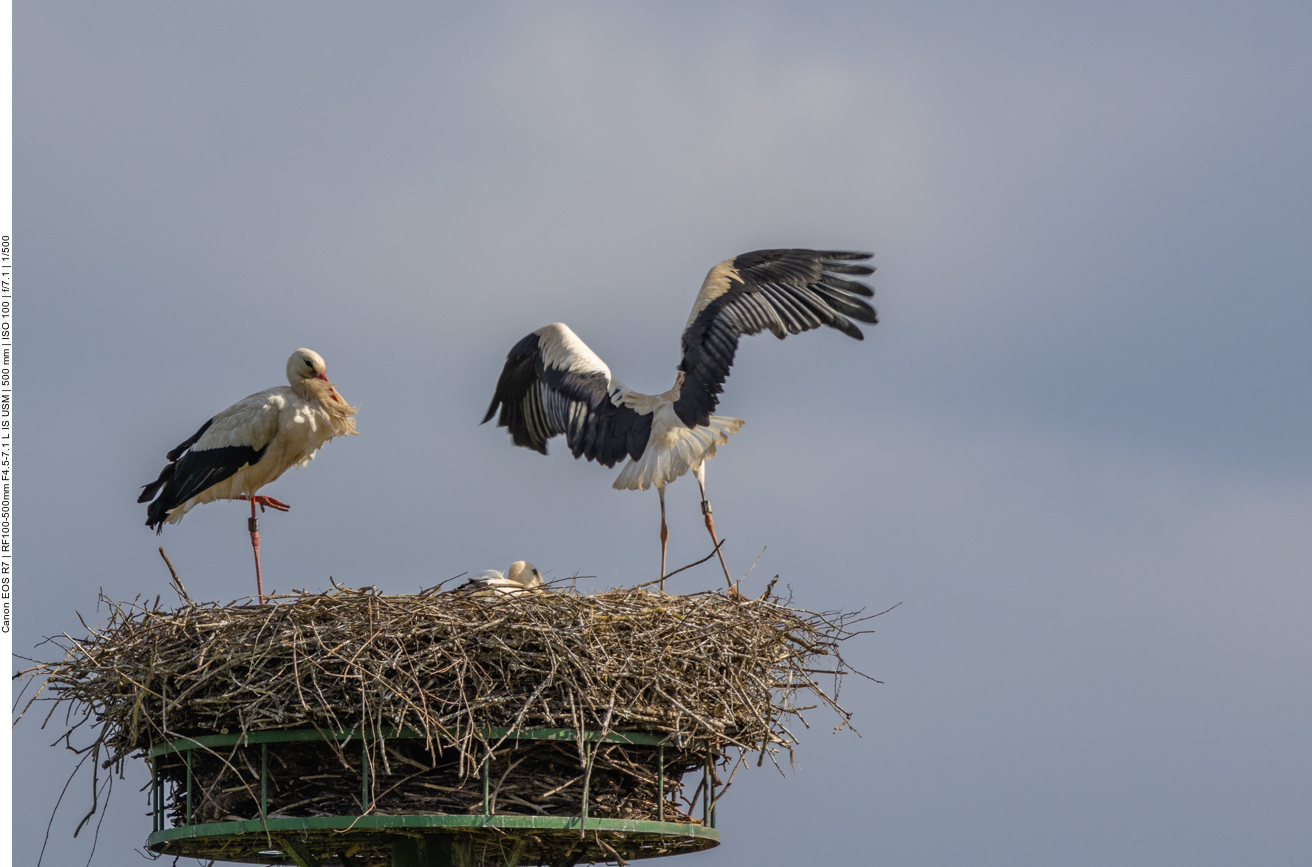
(707,670)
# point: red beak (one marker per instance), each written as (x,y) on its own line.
(331,390)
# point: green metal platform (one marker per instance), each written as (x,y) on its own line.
(427,840)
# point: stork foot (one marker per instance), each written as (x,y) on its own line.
(263,501)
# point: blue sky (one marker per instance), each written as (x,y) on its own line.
(1075,448)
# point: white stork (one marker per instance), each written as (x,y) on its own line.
(553,383)
(521,577)
(250,444)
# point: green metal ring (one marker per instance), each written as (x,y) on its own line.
(680,838)
(429,821)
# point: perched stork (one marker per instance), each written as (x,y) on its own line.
(553,383)
(521,577)
(250,444)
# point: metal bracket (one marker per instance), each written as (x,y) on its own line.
(510,857)
(296,850)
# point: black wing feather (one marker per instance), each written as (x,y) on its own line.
(539,401)
(190,441)
(519,396)
(195,471)
(783,291)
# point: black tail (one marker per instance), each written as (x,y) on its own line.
(155,513)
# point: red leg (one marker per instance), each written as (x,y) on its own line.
(700,472)
(255,543)
(665,534)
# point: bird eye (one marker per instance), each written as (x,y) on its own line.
(309,364)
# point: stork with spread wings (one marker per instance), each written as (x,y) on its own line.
(554,384)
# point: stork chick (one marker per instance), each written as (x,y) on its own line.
(521,577)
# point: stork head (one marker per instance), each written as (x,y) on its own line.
(308,376)
(525,574)
(306,364)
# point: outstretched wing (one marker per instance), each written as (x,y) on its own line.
(784,291)
(553,383)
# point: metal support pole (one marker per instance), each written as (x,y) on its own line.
(706,791)
(433,850)
(154,799)
(660,783)
(186,819)
(710,786)
(364,775)
(587,778)
(487,774)
(407,852)
(264,782)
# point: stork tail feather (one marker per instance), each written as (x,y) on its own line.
(683,448)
